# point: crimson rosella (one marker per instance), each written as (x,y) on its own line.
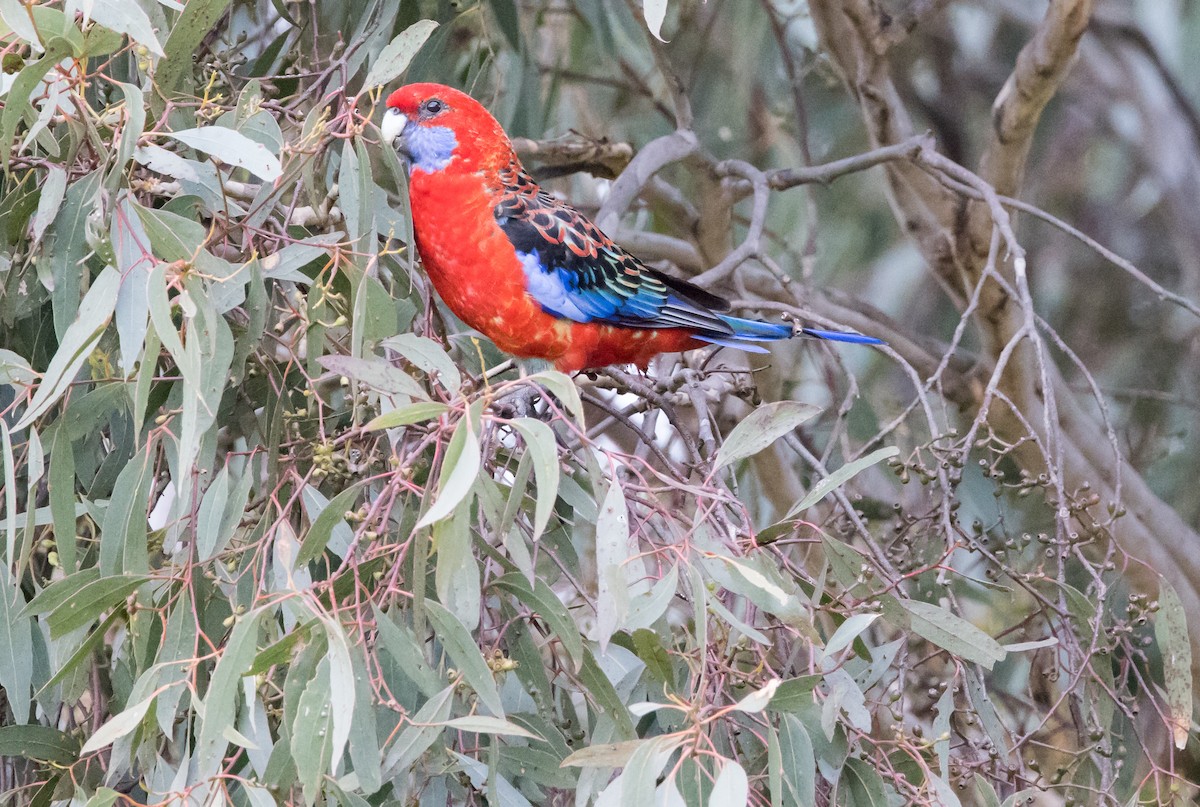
(530,272)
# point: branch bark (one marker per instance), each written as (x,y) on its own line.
(954,235)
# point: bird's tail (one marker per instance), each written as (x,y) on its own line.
(748,331)
(841,336)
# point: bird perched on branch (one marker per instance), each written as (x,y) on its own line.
(532,273)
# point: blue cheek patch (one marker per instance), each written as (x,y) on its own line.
(431,147)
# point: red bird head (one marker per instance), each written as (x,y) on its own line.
(439,128)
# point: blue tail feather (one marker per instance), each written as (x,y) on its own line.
(748,331)
(754,330)
(842,336)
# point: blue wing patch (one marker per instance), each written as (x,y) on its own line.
(576,272)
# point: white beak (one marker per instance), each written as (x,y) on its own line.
(393,125)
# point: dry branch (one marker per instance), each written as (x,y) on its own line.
(1032,398)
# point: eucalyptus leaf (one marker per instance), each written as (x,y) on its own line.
(760,428)
(234,148)
(394,58)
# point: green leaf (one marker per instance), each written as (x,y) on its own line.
(38,742)
(428,356)
(846,696)
(60,591)
(342,682)
(364,741)
(424,728)
(377,374)
(174,657)
(607,701)
(88,602)
(645,610)
(799,764)
(394,58)
(332,516)
(543,448)
(403,646)
(221,511)
(15,370)
(861,785)
(174,73)
(17,100)
(759,699)
(117,726)
(456,577)
(131,132)
(104,797)
(460,466)
(944,794)
(126,17)
(732,787)
(234,148)
(50,200)
(465,654)
(948,631)
(794,694)
(637,781)
(18,19)
(649,648)
(562,387)
(77,344)
(408,415)
(482,724)
(84,651)
(603,755)
(69,247)
(10,499)
(220,699)
(544,603)
(981,703)
(486,778)
(123,536)
(848,631)
(612,555)
(312,734)
(760,428)
(940,729)
(16,646)
(1171,632)
(840,477)
(129,242)
(61,484)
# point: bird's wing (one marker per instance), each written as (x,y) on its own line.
(576,272)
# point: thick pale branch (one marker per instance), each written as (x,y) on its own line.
(1041,67)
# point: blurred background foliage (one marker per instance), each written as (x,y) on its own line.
(272,535)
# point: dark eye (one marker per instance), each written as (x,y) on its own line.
(434,106)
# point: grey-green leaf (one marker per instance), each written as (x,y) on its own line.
(76,345)
(1171,632)
(459,469)
(232,147)
(394,58)
(543,448)
(840,477)
(760,428)
(465,654)
(951,632)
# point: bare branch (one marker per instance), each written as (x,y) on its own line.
(1041,67)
